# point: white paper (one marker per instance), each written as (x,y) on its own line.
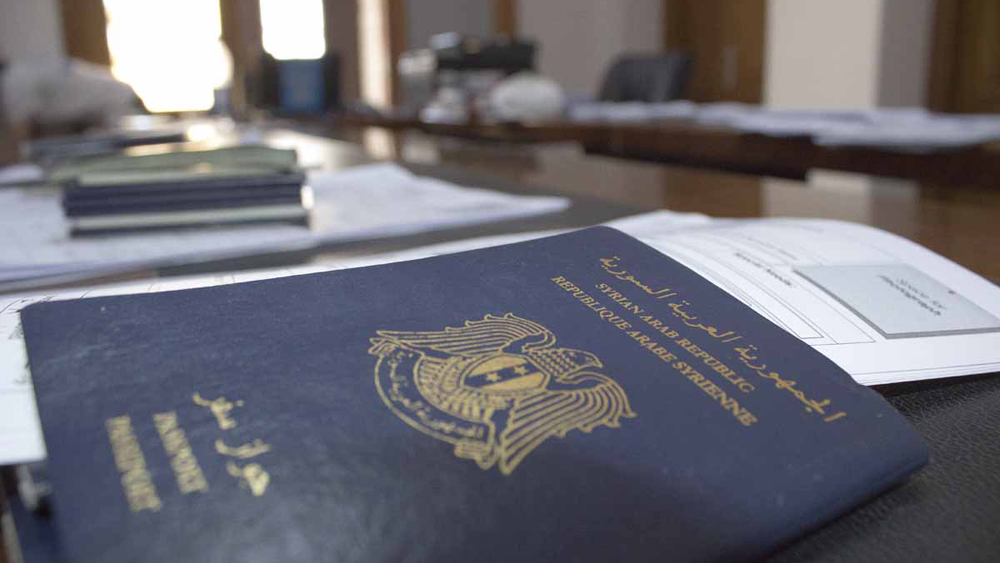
(897,129)
(631,111)
(934,318)
(766,263)
(354,204)
(905,130)
(25,173)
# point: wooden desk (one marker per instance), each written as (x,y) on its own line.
(960,222)
(949,510)
(554,131)
(687,143)
(690,144)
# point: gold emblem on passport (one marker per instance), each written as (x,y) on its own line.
(496,388)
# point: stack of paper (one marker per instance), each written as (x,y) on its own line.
(898,129)
(355,204)
(631,111)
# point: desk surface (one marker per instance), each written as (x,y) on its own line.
(685,142)
(959,222)
(951,509)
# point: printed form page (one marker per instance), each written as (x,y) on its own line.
(881,307)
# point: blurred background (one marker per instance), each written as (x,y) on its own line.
(403,56)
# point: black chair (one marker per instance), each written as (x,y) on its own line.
(647,78)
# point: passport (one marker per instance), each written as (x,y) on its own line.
(578,397)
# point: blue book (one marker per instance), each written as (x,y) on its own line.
(581,397)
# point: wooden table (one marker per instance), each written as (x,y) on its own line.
(688,143)
(947,511)
(683,142)
(960,222)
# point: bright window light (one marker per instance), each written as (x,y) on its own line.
(293,29)
(169,52)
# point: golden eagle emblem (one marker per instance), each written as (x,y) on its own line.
(496,388)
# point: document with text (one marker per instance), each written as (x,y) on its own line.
(884,309)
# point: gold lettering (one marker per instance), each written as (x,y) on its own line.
(251,475)
(716,365)
(140,493)
(729,404)
(610,265)
(220,409)
(190,478)
(246,451)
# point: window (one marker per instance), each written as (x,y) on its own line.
(169,52)
(293,29)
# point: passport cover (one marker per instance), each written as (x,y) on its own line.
(580,397)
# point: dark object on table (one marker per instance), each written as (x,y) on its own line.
(171,198)
(470,64)
(461,52)
(297,87)
(498,416)
(647,78)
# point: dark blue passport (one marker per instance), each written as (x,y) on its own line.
(581,398)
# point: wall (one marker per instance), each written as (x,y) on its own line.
(847,54)
(821,53)
(30,28)
(725,39)
(579,39)
(907,35)
(425,18)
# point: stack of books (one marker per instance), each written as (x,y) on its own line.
(56,149)
(176,189)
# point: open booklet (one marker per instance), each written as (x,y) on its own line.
(884,309)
